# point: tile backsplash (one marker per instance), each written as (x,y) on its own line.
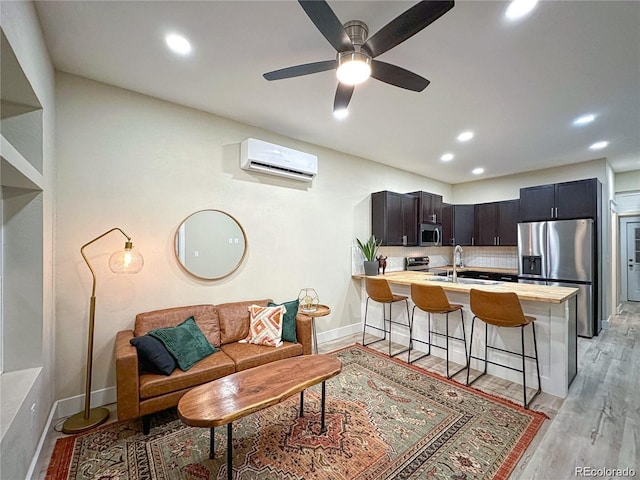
(496,257)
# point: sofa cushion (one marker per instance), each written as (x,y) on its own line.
(248,355)
(206,317)
(234,320)
(209,368)
(289,321)
(265,327)
(185,342)
(153,355)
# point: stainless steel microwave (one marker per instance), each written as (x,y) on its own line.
(430,235)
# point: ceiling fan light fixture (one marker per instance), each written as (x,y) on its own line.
(353,67)
(518,9)
(341,113)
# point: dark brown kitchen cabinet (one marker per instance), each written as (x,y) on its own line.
(394,218)
(560,201)
(496,223)
(457,224)
(429,207)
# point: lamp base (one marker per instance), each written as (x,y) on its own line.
(77,423)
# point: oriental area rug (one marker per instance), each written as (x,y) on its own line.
(384,418)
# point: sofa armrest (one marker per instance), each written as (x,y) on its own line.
(127,376)
(303,332)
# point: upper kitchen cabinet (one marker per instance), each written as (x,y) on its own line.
(457,225)
(496,223)
(429,207)
(560,201)
(394,218)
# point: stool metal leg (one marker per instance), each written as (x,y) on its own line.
(364,328)
(446,331)
(486,346)
(464,338)
(535,352)
(411,340)
(524,374)
(473,322)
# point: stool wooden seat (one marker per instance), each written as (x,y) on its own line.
(379,291)
(503,309)
(433,300)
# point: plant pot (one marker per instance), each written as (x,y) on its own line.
(371,268)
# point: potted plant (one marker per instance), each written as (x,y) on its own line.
(369,250)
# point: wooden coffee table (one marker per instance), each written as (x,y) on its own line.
(230,398)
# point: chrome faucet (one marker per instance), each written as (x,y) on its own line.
(457,251)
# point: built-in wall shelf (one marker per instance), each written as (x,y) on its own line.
(15,170)
(20,109)
(22,191)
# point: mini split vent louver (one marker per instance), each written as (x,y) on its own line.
(259,156)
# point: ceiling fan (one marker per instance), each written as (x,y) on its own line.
(356,52)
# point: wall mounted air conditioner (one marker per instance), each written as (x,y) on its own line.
(264,157)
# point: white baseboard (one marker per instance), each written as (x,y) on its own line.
(339,332)
(99,398)
(31,473)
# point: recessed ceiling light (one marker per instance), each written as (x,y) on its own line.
(465,136)
(477,171)
(599,145)
(178,44)
(341,113)
(519,8)
(584,119)
(447,157)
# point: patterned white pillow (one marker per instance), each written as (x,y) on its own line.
(266,325)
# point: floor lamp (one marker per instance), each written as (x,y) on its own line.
(122,261)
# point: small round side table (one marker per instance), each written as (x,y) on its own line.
(320,311)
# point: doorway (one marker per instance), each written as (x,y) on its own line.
(630,258)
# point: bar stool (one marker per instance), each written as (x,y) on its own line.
(503,309)
(379,291)
(432,299)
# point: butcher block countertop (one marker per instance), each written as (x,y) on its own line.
(525,291)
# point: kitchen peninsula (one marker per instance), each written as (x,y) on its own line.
(553,307)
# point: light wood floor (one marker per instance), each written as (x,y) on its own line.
(596,426)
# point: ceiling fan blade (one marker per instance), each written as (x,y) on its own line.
(343,96)
(326,21)
(397,76)
(299,70)
(406,25)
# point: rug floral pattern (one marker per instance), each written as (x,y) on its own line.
(385,420)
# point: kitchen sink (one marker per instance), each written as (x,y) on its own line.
(469,281)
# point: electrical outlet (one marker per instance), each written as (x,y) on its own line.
(34,407)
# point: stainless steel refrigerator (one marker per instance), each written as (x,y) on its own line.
(562,253)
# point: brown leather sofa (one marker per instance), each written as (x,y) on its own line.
(141,394)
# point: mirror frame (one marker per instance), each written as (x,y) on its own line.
(177,254)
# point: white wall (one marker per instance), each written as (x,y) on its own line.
(627,181)
(508,187)
(142,164)
(22,427)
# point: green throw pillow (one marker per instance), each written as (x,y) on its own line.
(185,342)
(289,321)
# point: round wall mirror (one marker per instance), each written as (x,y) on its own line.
(210,244)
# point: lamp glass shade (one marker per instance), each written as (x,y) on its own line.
(354,68)
(126,260)
(308,299)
